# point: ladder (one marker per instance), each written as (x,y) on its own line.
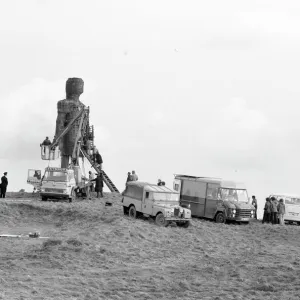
(106,179)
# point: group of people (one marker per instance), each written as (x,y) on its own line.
(160,182)
(87,146)
(274,211)
(132,177)
(4,184)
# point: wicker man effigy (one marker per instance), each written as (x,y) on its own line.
(67,109)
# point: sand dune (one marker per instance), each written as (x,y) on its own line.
(97,253)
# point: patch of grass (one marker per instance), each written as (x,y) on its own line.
(75,242)
(48,244)
(97,253)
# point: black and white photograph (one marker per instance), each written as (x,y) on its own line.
(149,150)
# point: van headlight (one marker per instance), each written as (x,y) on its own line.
(233,211)
(42,190)
(168,213)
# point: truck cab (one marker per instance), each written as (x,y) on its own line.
(58,183)
(158,202)
(214,198)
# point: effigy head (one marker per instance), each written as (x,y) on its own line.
(74,87)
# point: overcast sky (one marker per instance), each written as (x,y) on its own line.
(207,88)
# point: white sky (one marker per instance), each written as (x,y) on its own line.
(207,88)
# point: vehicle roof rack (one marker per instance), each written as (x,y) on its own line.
(190,176)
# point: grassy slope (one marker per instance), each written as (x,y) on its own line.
(97,253)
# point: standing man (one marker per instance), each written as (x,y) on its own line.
(4,184)
(254,203)
(274,211)
(91,177)
(98,159)
(129,178)
(46,142)
(99,185)
(134,176)
(281,211)
(267,212)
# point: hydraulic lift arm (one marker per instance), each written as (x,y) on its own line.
(67,129)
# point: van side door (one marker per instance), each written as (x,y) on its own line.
(211,200)
(193,193)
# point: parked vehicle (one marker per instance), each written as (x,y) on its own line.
(292,207)
(61,183)
(158,202)
(214,198)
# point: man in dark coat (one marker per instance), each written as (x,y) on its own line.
(128,177)
(4,184)
(274,211)
(267,212)
(46,142)
(99,185)
(98,159)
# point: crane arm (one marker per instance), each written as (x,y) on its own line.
(75,153)
(65,131)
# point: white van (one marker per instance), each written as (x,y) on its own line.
(292,206)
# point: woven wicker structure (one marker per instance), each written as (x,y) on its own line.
(67,109)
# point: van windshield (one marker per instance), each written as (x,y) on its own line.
(287,199)
(56,176)
(234,195)
(293,201)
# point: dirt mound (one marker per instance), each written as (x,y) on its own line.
(89,210)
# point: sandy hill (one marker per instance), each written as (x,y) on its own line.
(94,252)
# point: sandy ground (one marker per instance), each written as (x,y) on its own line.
(97,253)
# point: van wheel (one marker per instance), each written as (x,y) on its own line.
(44,198)
(161,221)
(73,196)
(125,210)
(132,212)
(220,218)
